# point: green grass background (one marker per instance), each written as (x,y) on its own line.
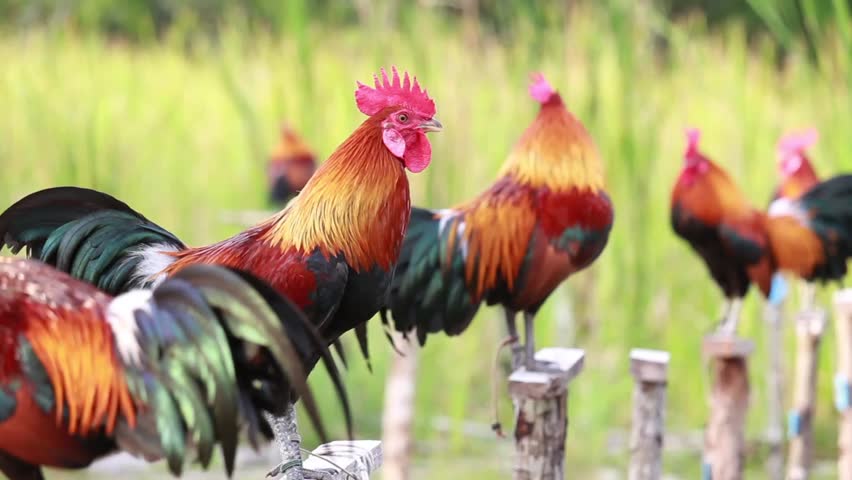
(180,130)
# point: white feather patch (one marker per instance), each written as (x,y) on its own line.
(153,262)
(122,321)
(446,216)
(784,207)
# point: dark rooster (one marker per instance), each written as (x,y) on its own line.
(332,250)
(164,373)
(290,167)
(809,236)
(546,217)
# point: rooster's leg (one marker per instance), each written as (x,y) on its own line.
(529,338)
(732,319)
(808,295)
(287,437)
(512,328)
(726,310)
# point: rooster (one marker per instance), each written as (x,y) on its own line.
(332,250)
(163,373)
(546,217)
(794,167)
(809,236)
(797,176)
(290,167)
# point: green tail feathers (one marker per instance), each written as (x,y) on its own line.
(86,233)
(428,293)
(829,209)
(218,346)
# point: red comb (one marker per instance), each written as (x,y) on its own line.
(390,92)
(540,90)
(797,142)
(693,135)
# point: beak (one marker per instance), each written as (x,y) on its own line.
(432,125)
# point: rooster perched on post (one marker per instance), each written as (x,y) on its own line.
(290,167)
(156,373)
(810,236)
(794,167)
(546,217)
(332,251)
(797,176)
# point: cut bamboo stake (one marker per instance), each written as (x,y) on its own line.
(810,326)
(353,460)
(541,399)
(774,315)
(398,413)
(842,381)
(650,370)
(724,440)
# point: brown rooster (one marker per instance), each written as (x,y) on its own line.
(290,167)
(795,170)
(810,236)
(546,217)
(797,176)
(332,251)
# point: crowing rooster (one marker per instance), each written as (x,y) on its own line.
(290,167)
(810,236)
(164,373)
(546,217)
(332,250)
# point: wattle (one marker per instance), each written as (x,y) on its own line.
(418,153)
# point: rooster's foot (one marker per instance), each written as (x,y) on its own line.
(282,469)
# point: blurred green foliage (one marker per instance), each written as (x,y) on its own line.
(179,125)
(147,20)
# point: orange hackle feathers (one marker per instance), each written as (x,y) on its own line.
(335,213)
(84,372)
(291,145)
(364,178)
(496,252)
(554,157)
(557,152)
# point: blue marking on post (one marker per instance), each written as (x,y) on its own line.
(706,471)
(778,290)
(794,423)
(842,393)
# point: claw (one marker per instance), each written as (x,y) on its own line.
(284,467)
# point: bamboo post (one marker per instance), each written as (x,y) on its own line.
(650,370)
(541,399)
(774,317)
(724,439)
(809,329)
(398,413)
(843,380)
(345,460)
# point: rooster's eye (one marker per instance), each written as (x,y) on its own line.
(402,117)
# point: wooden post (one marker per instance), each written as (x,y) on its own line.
(398,414)
(353,459)
(843,380)
(774,315)
(650,370)
(541,399)
(724,440)
(809,328)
